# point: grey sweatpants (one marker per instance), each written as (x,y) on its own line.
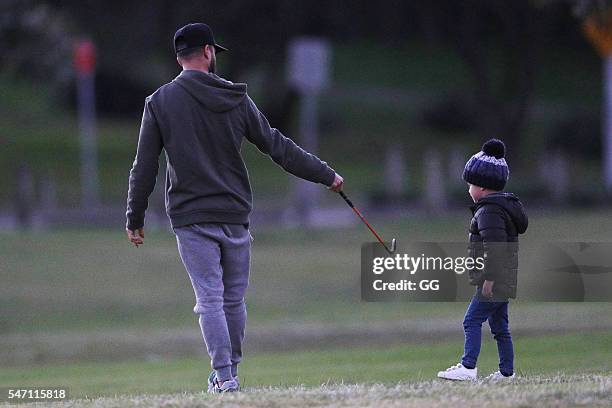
(217,258)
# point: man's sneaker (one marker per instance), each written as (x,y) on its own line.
(227,386)
(459,373)
(212,380)
(498,376)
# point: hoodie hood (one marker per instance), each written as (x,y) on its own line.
(511,204)
(212,92)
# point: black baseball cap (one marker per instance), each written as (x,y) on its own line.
(195,35)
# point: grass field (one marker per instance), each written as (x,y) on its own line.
(555,391)
(539,362)
(80,279)
(66,293)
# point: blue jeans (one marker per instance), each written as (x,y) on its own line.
(497,315)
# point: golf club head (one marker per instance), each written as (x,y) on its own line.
(393,245)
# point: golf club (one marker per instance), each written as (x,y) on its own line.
(391,249)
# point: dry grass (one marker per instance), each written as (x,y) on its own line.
(555,391)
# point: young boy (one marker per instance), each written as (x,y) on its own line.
(498,219)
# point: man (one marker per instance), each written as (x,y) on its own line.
(201,120)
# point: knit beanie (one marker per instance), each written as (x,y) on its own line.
(488,167)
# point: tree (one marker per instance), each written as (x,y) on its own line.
(503,74)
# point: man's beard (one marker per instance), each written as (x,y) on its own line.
(213,65)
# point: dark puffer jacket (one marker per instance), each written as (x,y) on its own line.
(497,221)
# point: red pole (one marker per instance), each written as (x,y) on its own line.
(84,60)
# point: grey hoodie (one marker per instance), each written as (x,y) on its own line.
(201,120)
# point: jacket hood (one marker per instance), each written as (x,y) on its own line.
(511,204)
(212,92)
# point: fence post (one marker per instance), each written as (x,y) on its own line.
(394,171)
(25,197)
(435,192)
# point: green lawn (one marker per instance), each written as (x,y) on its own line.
(85,279)
(75,282)
(576,354)
(556,391)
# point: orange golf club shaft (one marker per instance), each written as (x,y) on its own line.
(362,218)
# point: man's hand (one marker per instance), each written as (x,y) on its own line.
(136,237)
(337,184)
(487,289)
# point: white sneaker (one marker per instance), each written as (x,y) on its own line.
(498,376)
(459,373)
(227,386)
